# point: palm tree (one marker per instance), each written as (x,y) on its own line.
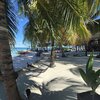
(44,21)
(6,65)
(66,13)
(34,33)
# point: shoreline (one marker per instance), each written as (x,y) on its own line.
(20,62)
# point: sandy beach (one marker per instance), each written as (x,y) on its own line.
(20,62)
(62,82)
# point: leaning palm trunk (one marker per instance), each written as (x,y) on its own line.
(52,56)
(6,66)
(86,51)
(62,51)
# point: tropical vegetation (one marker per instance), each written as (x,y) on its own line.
(90,76)
(46,17)
(51,16)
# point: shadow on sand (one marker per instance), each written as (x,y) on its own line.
(68,93)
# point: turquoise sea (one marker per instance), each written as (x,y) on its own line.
(14,51)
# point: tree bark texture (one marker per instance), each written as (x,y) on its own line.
(6,65)
(52,56)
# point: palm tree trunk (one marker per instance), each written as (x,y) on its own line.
(6,65)
(86,52)
(31,46)
(7,68)
(52,56)
(76,48)
(62,51)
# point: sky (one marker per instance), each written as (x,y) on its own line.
(21,21)
(19,36)
(98,17)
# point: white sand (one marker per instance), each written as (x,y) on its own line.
(63,78)
(20,62)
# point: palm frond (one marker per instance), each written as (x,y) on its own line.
(52,15)
(11,20)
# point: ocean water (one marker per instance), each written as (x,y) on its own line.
(14,51)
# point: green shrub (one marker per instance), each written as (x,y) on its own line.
(90,76)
